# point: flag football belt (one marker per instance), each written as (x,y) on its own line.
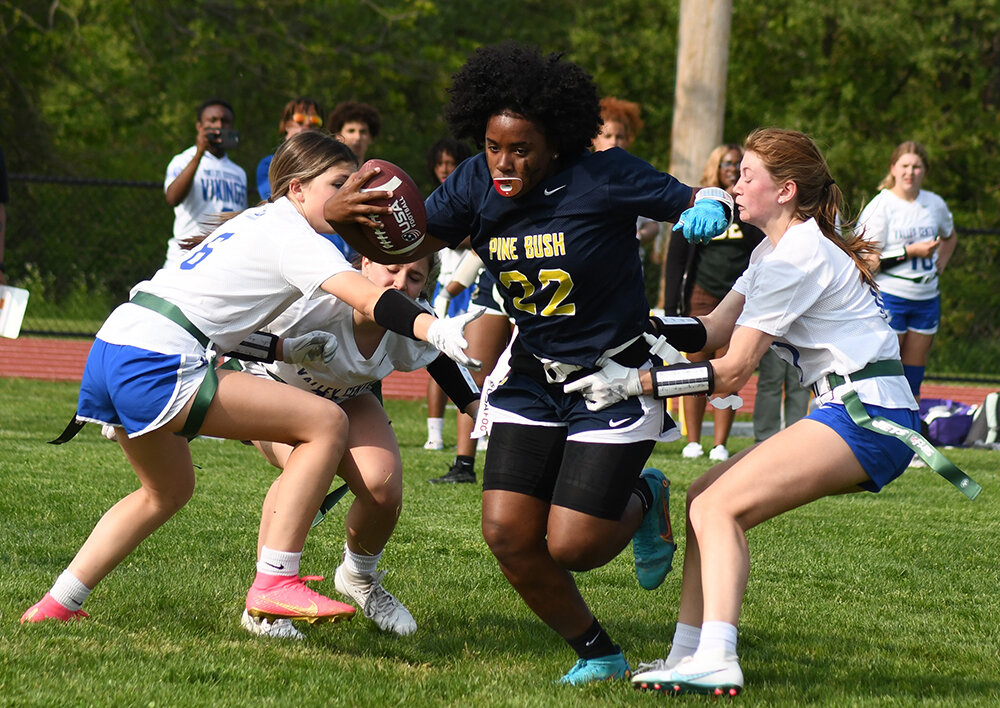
(633,354)
(206,391)
(912,439)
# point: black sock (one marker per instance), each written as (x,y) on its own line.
(593,643)
(645,494)
(466,462)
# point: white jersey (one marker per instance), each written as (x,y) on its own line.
(809,294)
(350,373)
(891,223)
(220,185)
(246,272)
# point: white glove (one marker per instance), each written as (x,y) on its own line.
(316,347)
(441,302)
(610,384)
(448,336)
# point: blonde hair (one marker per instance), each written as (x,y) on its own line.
(791,156)
(910,147)
(710,175)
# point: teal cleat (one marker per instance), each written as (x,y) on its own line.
(603,668)
(653,542)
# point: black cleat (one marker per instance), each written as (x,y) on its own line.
(457,474)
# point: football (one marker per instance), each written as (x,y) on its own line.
(403,230)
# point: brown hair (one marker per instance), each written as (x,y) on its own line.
(791,156)
(710,175)
(910,147)
(304,156)
(624,112)
(351,111)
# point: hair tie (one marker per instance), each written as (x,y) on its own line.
(829,183)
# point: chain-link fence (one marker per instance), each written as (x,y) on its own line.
(79,245)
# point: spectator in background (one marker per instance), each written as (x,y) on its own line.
(299,114)
(442,159)
(708,274)
(781,398)
(4,198)
(202,181)
(356,125)
(915,233)
(621,124)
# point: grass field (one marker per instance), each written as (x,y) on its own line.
(873,600)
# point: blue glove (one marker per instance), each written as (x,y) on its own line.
(703,221)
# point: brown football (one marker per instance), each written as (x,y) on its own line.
(404,229)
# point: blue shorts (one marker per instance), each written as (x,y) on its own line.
(135,388)
(882,457)
(920,316)
(459,304)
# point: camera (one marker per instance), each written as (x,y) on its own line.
(226,139)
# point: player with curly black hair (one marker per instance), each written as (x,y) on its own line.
(554,223)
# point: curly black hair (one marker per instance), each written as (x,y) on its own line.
(348,111)
(556,94)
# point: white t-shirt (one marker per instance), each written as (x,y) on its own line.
(891,223)
(350,373)
(246,272)
(220,185)
(809,294)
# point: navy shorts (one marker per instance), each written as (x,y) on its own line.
(882,457)
(920,316)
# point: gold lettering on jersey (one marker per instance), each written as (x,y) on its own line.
(503,248)
(544,245)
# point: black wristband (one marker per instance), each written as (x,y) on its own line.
(686,334)
(258,346)
(454,380)
(683,379)
(397,313)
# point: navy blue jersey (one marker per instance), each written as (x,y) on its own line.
(565,254)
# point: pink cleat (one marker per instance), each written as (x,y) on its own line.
(289,598)
(49,608)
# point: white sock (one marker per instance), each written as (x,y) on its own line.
(686,637)
(68,591)
(434,428)
(717,636)
(360,564)
(274,562)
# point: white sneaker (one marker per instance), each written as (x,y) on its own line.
(917,462)
(713,673)
(109,432)
(482,443)
(692,450)
(719,453)
(378,604)
(434,444)
(655,672)
(262,627)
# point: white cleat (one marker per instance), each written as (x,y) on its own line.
(378,604)
(654,672)
(719,453)
(262,627)
(712,673)
(434,445)
(109,432)
(692,450)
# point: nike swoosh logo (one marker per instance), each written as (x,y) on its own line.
(618,423)
(311,610)
(695,677)
(550,192)
(76,602)
(276,567)
(587,644)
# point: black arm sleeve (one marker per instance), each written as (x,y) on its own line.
(686,334)
(454,381)
(397,313)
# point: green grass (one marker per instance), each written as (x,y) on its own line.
(888,599)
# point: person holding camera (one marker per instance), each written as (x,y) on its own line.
(202,181)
